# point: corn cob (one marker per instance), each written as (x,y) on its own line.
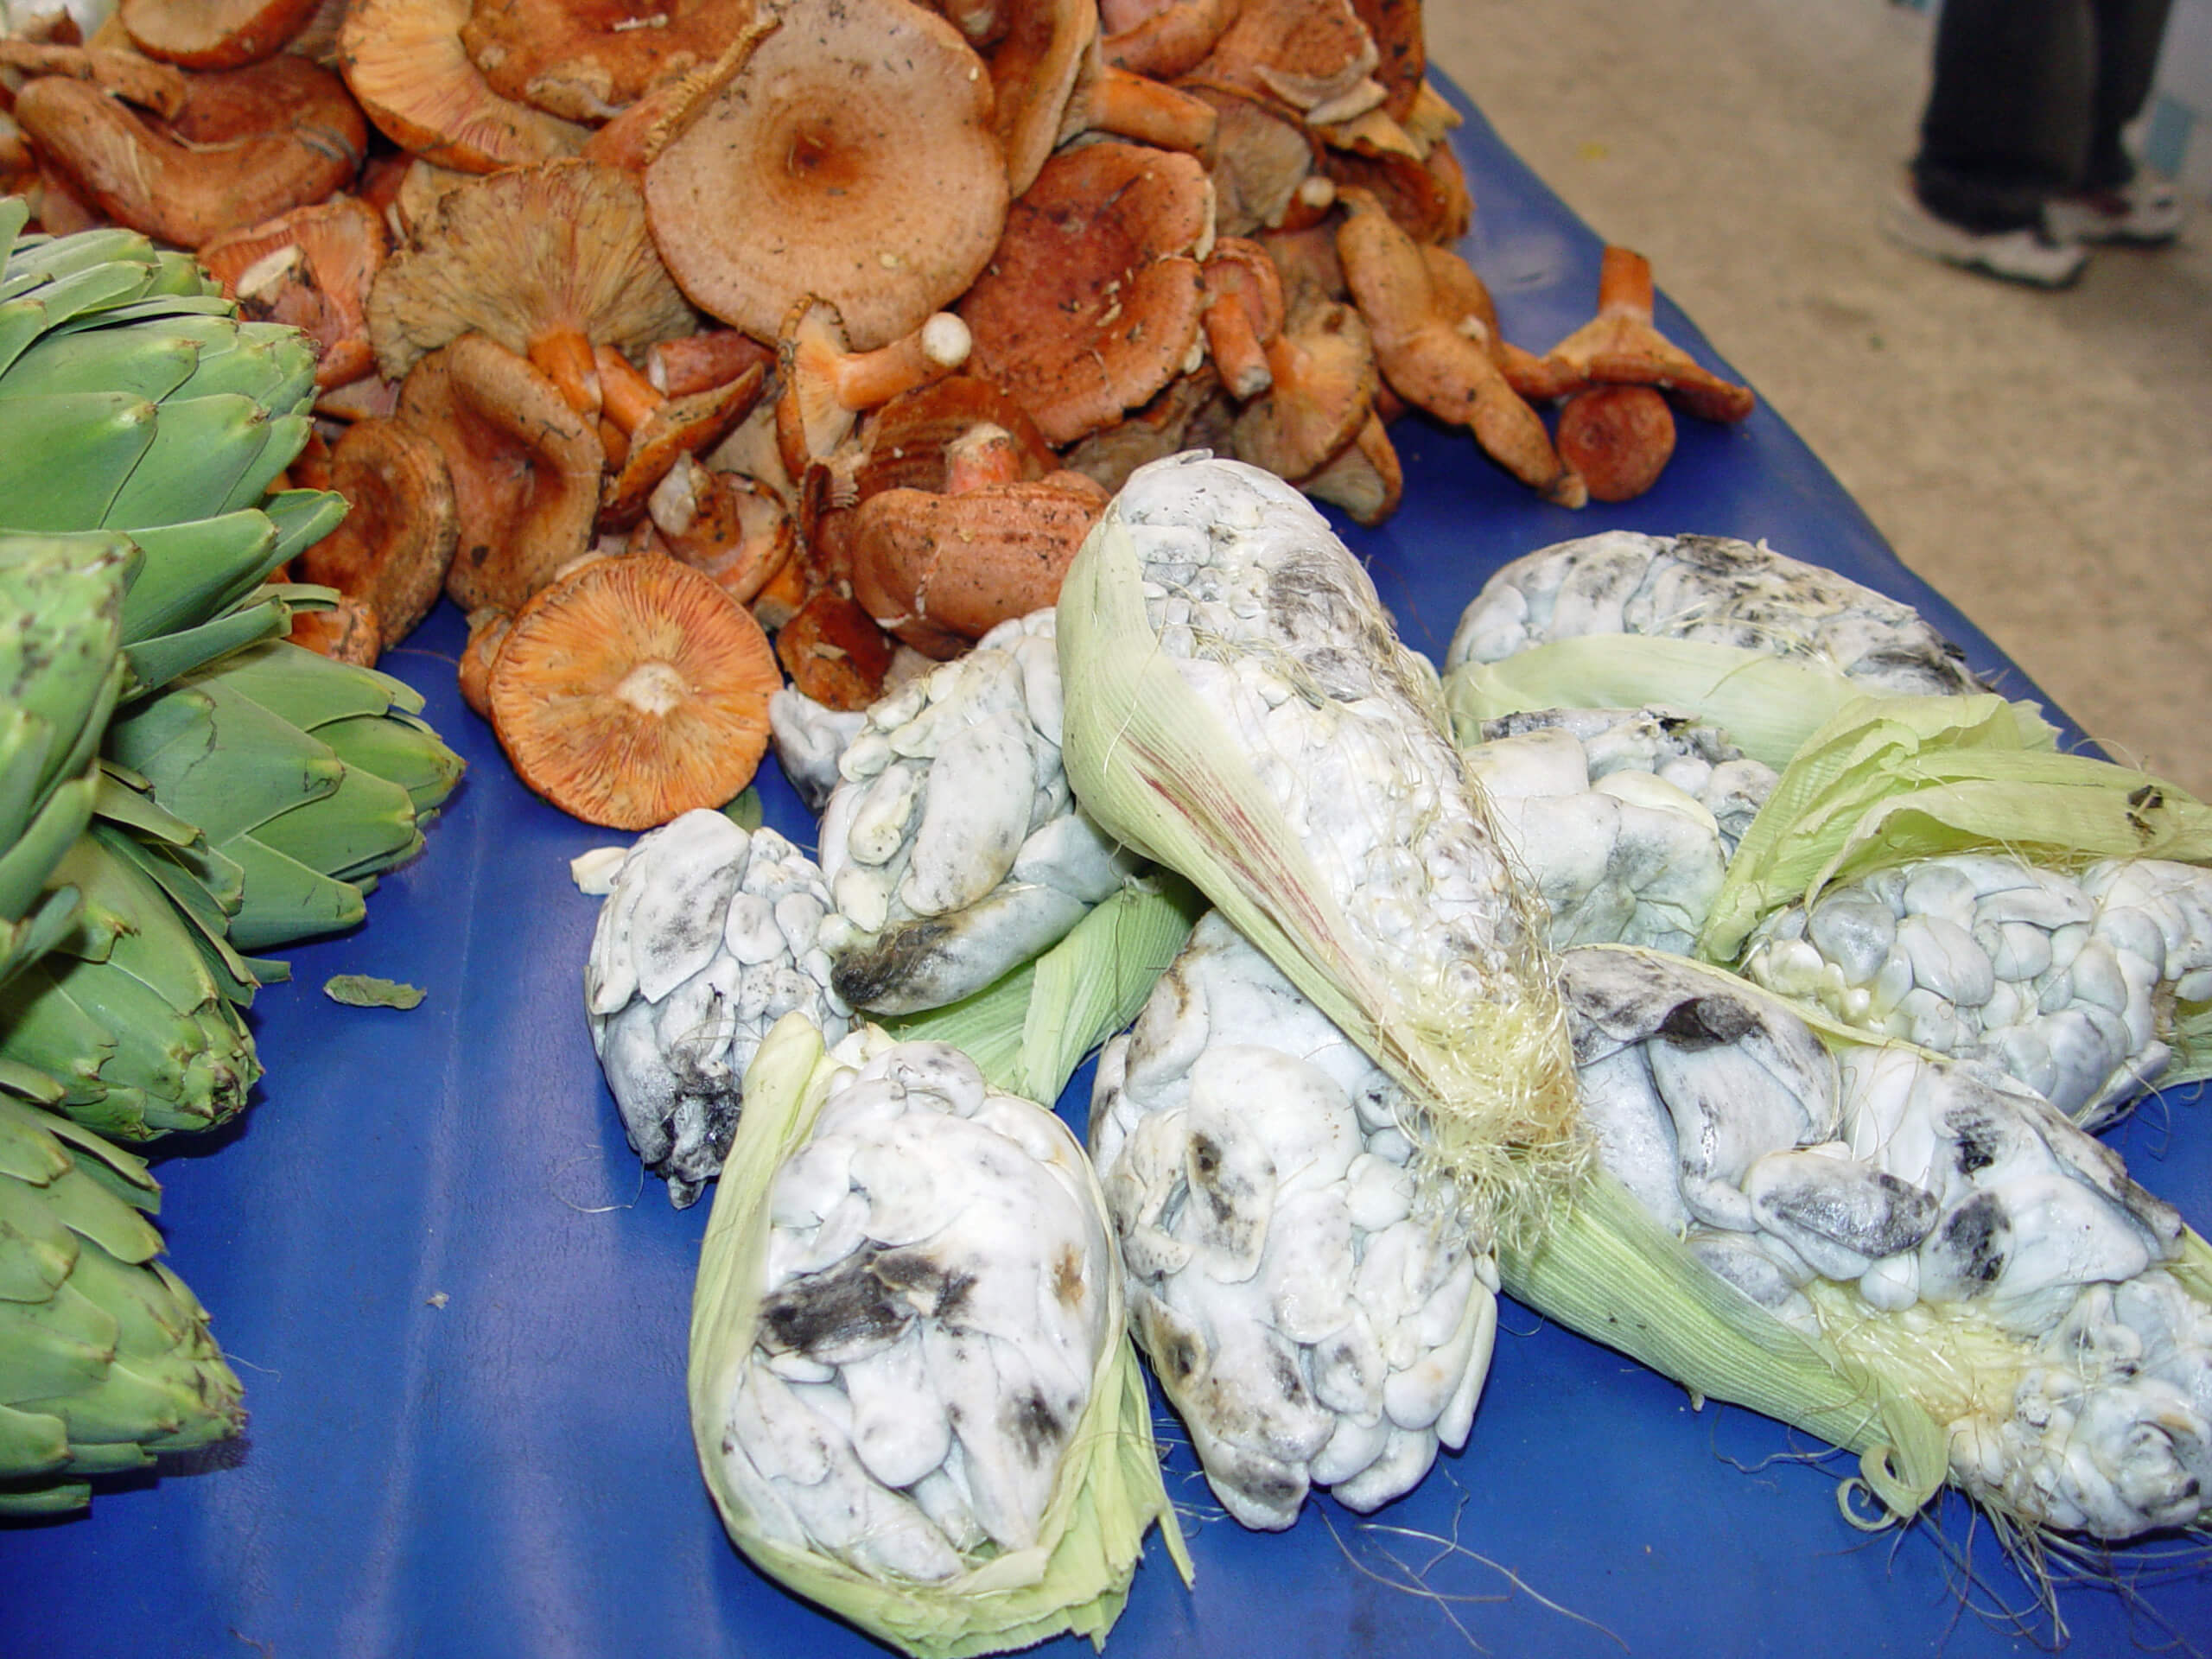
(1708,589)
(952,843)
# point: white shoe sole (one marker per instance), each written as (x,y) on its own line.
(2015,256)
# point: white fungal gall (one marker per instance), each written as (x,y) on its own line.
(1317,1312)
(695,955)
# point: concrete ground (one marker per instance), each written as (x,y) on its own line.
(2044,459)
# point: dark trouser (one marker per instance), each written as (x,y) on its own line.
(2028,102)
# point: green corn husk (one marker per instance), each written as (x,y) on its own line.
(1897,1388)
(1109,1492)
(106,1357)
(125,1013)
(1890,781)
(1160,769)
(1031,1029)
(1604,1270)
(1768,705)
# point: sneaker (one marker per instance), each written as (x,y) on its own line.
(2144,211)
(2023,256)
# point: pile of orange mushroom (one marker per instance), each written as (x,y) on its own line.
(835,319)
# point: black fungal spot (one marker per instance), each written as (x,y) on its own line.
(1706,1022)
(1035,1428)
(1975,1237)
(1976,1142)
(864,975)
(844,1304)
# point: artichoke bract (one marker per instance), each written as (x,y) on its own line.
(951,843)
(911,1392)
(1317,1305)
(106,1357)
(60,627)
(708,937)
(134,401)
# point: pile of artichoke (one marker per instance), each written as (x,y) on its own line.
(179,786)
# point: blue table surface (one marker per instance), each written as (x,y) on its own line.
(460,1310)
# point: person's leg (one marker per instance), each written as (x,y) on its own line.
(2007,123)
(2128,35)
(2109,202)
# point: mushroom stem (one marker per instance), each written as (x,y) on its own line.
(1236,347)
(156,86)
(982,455)
(565,357)
(1426,357)
(1150,112)
(861,380)
(1624,286)
(1622,346)
(625,395)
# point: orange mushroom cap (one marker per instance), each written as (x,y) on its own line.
(525,469)
(1620,438)
(1092,303)
(404,61)
(842,152)
(1164,41)
(160,88)
(249,144)
(834,651)
(558,247)
(587,59)
(633,690)
(310,267)
(725,525)
(907,438)
(1313,56)
(392,550)
(1323,373)
(1400,51)
(941,571)
(213,33)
